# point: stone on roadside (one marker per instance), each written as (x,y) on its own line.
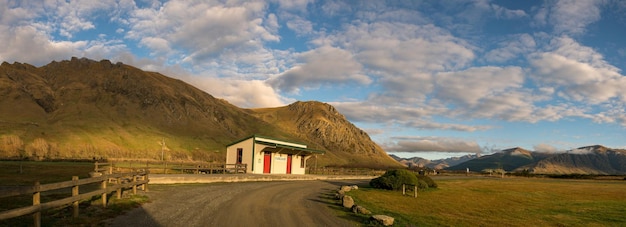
(383,219)
(354,187)
(339,196)
(360,210)
(346,188)
(347,201)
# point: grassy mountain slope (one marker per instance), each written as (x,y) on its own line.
(83,109)
(585,160)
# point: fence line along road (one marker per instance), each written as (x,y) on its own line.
(122,181)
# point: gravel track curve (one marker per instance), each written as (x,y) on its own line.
(287,203)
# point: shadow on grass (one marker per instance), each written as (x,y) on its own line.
(329,198)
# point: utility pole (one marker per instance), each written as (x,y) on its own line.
(162,147)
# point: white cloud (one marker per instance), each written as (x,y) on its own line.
(469,87)
(321,66)
(426,144)
(204,30)
(242,93)
(578,73)
(570,16)
(516,46)
(545,148)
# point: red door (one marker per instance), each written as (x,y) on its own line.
(267,162)
(289,164)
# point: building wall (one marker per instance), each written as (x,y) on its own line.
(253,155)
(231,153)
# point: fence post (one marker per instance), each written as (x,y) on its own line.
(415,191)
(119,189)
(134,184)
(403,189)
(145,177)
(103,186)
(36,202)
(75,193)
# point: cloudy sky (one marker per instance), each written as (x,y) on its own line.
(423,78)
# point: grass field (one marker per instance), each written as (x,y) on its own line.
(15,173)
(484,201)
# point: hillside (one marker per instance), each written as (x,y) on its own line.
(322,125)
(91,109)
(585,160)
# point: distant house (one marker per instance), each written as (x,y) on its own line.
(265,155)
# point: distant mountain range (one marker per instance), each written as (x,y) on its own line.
(434,164)
(81,108)
(595,159)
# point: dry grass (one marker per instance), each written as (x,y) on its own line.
(504,202)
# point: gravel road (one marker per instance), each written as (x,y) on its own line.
(293,203)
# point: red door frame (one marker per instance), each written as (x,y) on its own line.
(267,162)
(288,164)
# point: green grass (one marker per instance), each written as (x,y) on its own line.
(91,212)
(45,172)
(503,202)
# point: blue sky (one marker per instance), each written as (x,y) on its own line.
(424,78)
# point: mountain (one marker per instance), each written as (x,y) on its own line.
(434,164)
(323,126)
(82,108)
(585,160)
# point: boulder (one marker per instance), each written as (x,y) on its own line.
(383,219)
(339,196)
(360,210)
(354,187)
(347,201)
(346,188)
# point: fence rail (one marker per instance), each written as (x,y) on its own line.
(171,167)
(404,188)
(123,181)
(344,171)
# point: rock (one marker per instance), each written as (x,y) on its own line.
(347,201)
(354,187)
(341,192)
(346,188)
(360,210)
(339,196)
(383,219)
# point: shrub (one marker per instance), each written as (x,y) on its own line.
(393,179)
(429,181)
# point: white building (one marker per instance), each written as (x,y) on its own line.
(270,156)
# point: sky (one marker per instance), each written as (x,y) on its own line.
(431,79)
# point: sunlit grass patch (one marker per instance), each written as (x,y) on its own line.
(508,201)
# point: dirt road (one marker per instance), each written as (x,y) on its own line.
(295,203)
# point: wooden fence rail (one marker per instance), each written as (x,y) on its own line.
(124,181)
(171,167)
(414,189)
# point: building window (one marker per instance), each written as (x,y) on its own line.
(239,155)
(302,161)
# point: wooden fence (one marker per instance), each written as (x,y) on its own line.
(404,187)
(122,181)
(344,171)
(171,167)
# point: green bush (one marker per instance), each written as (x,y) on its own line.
(429,181)
(393,179)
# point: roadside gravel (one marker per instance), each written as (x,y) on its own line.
(290,203)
